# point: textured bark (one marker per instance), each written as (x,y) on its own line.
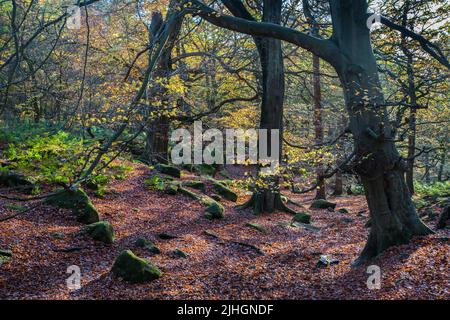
(273,87)
(338,184)
(381,170)
(412,97)
(394,218)
(318,126)
(157,142)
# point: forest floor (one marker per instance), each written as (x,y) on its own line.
(218,266)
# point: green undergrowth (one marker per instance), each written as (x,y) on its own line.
(51,156)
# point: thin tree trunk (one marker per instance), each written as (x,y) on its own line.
(338,184)
(318,126)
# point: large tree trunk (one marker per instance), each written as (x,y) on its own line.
(381,170)
(272,66)
(157,142)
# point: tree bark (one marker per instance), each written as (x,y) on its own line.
(381,170)
(157,141)
(338,184)
(273,87)
(318,126)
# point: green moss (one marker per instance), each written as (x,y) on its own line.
(169,170)
(171,189)
(79,202)
(322,204)
(302,217)
(148,245)
(101,231)
(215,210)
(156,182)
(16,207)
(57,235)
(224,191)
(205,169)
(343,210)
(180,253)
(198,185)
(189,193)
(134,269)
(216,197)
(5,255)
(13,179)
(256,227)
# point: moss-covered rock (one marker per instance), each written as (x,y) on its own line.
(101,231)
(302,217)
(148,245)
(205,169)
(322,204)
(224,191)
(214,210)
(189,193)
(343,210)
(131,268)
(256,227)
(171,188)
(216,197)
(5,255)
(169,170)
(179,253)
(57,235)
(13,179)
(79,202)
(198,185)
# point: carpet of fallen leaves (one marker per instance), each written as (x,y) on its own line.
(217,266)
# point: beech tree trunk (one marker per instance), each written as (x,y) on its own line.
(381,170)
(157,142)
(273,87)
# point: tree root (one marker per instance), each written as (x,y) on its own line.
(240,243)
(262,202)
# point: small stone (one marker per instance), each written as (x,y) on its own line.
(148,245)
(302,217)
(6,253)
(325,261)
(169,170)
(134,269)
(101,231)
(224,191)
(343,210)
(57,235)
(322,204)
(256,227)
(166,236)
(215,210)
(180,253)
(79,202)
